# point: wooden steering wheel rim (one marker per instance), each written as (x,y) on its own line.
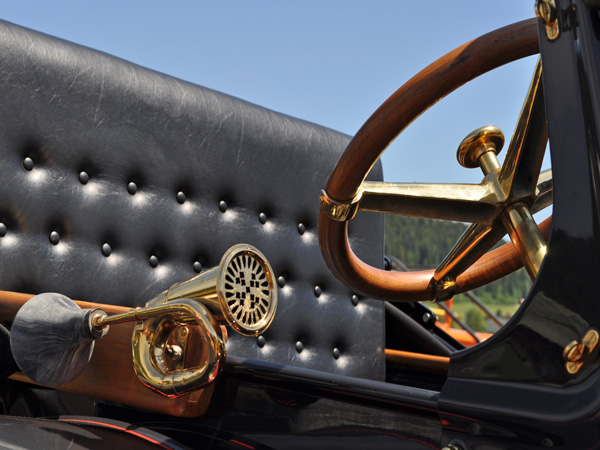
(456,68)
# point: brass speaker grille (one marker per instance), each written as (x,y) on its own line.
(249,292)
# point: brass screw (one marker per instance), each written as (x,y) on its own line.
(574,351)
(545,11)
(183,331)
(577,353)
(547,14)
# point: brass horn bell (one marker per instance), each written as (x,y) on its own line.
(178,342)
(239,292)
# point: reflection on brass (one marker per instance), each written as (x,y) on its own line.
(577,353)
(153,356)
(459,202)
(240,291)
(503,202)
(473,243)
(526,150)
(480,148)
(445,289)
(178,344)
(547,13)
(336,210)
(526,237)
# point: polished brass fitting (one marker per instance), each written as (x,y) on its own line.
(480,148)
(338,211)
(547,13)
(577,353)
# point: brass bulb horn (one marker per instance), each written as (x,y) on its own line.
(177,342)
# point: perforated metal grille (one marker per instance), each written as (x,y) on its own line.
(248,291)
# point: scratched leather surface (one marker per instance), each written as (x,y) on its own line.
(78,127)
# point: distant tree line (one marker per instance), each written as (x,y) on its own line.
(423,243)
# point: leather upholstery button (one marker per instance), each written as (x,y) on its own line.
(54,238)
(336,353)
(3,230)
(262,217)
(261,341)
(355,299)
(106,249)
(181,197)
(301,228)
(281,281)
(84,177)
(223,205)
(197,266)
(153,260)
(318,291)
(132,188)
(299,346)
(28,163)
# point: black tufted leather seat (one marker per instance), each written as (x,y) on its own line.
(117,181)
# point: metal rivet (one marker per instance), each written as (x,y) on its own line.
(355,299)
(281,281)
(197,266)
(299,346)
(181,197)
(28,163)
(261,341)
(301,228)
(426,317)
(54,238)
(336,353)
(153,260)
(3,230)
(223,205)
(83,177)
(132,188)
(318,291)
(106,249)
(262,217)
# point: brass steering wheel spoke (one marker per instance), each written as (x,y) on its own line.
(518,176)
(544,192)
(474,203)
(476,240)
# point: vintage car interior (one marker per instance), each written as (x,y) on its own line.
(183,269)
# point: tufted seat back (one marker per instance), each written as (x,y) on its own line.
(117,181)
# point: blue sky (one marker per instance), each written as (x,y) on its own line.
(331,62)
